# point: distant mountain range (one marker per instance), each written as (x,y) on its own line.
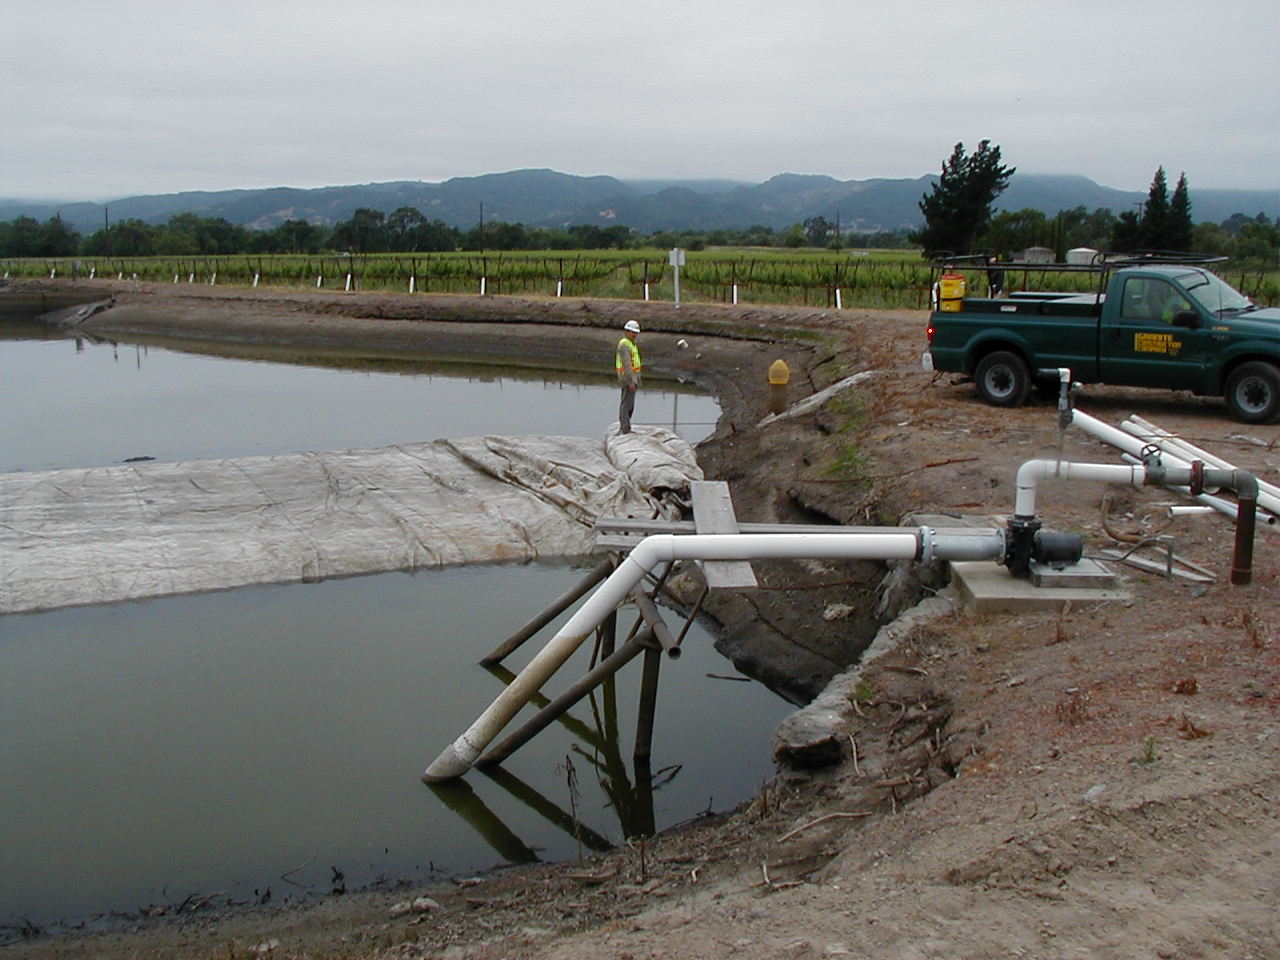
(546,198)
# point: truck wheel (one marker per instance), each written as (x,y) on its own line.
(1002,379)
(1253,392)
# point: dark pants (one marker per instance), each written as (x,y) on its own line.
(626,406)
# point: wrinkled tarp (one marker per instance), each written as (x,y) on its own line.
(103,534)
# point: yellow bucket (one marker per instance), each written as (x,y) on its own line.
(951,290)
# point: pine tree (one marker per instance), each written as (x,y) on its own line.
(1180,229)
(1154,227)
(958,209)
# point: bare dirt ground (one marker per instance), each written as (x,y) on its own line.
(1093,782)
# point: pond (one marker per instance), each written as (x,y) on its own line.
(268,741)
(79,403)
(229,743)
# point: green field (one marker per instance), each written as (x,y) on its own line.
(819,278)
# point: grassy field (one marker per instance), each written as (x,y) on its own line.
(820,278)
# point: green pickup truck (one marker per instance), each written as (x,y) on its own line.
(1172,325)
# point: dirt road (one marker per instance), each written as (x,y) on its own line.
(1095,782)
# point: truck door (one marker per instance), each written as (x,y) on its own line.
(1141,347)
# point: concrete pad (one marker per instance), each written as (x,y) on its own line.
(1085,573)
(985,587)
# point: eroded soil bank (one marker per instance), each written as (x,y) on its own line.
(1091,782)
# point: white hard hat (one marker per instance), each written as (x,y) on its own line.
(631,326)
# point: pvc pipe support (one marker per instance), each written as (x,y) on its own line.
(459,756)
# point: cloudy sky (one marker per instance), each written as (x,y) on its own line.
(104,99)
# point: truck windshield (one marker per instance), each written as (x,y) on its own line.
(1212,292)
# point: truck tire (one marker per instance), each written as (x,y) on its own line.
(1253,392)
(1002,379)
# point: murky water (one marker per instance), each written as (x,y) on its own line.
(77,403)
(230,744)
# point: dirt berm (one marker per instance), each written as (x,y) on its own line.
(1097,781)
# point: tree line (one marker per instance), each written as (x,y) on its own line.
(959,219)
(404,230)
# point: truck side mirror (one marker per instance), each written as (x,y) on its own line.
(1186,318)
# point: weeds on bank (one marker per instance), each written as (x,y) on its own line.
(849,414)
(1149,754)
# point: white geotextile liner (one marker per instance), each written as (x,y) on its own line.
(103,534)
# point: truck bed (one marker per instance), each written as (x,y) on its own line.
(1071,305)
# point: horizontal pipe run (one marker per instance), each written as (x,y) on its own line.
(1225,507)
(1182,450)
(1031,472)
(899,544)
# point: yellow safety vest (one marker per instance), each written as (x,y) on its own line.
(635,356)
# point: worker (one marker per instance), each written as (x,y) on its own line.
(995,277)
(626,361)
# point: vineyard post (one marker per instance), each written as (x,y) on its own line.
(484,272)
(677,261)
(734,276)
(560,279)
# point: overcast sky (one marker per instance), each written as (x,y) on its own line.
(102,99)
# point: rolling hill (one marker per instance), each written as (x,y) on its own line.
(546,198)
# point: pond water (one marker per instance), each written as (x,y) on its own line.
(79,403)
(226,745)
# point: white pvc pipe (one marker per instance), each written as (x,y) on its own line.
(457,758)
(1199,511)
(1268,494)
(1225,507)
(1031,472)
(1107,433)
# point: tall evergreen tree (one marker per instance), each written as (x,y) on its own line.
(958,209)
(1153,229)
(1180,228)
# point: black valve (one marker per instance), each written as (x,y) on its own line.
(1020,544)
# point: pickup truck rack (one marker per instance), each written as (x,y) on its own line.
(1152,319)
(1102,264)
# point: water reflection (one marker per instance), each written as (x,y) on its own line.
(82,402)
(213,743)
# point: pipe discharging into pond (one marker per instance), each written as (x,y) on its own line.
(921,544)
